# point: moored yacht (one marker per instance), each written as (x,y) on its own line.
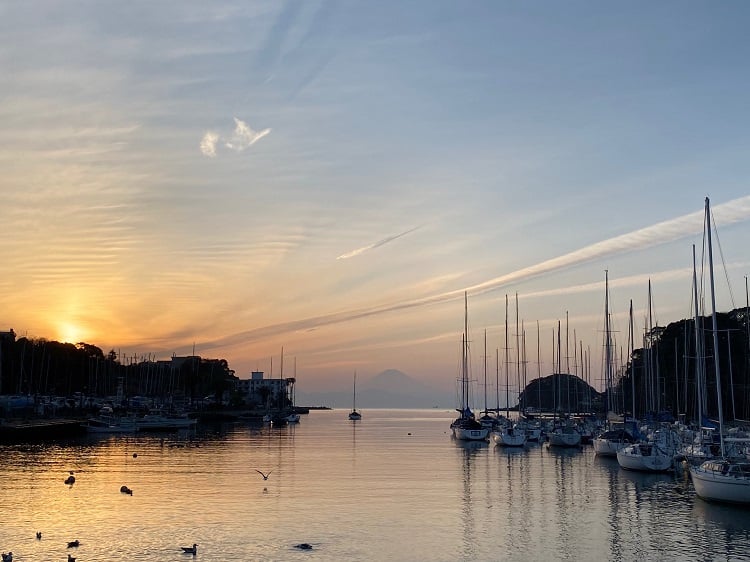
(509,436)
(564,435)
(608,443)
(465,427)
(722,480)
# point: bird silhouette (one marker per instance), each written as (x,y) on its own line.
(265,476)
(190,549)
(74,543)
(39,535)
(71,559)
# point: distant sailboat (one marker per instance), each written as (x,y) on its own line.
(354,415)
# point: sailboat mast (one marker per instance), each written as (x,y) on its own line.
(518,355)
(715,327)
(497,380)
(507,397)
(700,366)
(485,371)
(607,347)
(524,362)
(465,385)
(631,345)
(559,370)
(538,367)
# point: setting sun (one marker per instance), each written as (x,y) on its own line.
(69,333)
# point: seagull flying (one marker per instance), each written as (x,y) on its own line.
(265,476)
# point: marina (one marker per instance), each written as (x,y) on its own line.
(395,486)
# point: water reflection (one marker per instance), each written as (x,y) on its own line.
(396,488)
(469,452)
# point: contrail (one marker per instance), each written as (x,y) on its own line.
(648,237)
(376,244)
(667,231)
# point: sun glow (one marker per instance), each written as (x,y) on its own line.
(69,333)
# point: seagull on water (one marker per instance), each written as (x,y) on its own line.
(190,549)
(71,544)
(265,476)
(39,535)
(71,559)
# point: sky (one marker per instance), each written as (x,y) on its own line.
(327,178)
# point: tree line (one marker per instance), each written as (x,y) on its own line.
(671,374)
(40,367)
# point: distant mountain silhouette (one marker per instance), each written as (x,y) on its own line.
(389,389)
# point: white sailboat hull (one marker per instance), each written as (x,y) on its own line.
(564,438)
(509,438)
(732,486)
(644,458)
(466,434)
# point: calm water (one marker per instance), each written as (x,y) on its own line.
(394,486)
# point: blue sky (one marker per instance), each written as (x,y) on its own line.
(331,176)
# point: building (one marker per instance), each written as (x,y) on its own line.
(8,336)
(258,390)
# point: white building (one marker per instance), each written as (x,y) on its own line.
(251,388)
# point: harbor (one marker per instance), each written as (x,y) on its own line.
(393,486)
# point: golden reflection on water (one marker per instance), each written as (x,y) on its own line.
(394,486)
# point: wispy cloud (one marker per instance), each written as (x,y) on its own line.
(364,249)
(242,138)
(208,144)
(661,233)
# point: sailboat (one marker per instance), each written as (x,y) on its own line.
(508,435)
(465,427)
(564,432)
(655,453)
(487,420)
(354,415)
(616,436)
(724,479)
